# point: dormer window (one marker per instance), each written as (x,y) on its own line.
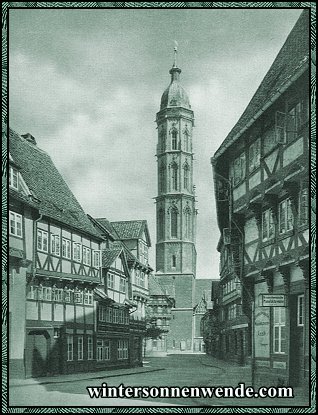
(13,177)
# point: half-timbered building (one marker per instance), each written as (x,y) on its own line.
(261,173)
(62,247)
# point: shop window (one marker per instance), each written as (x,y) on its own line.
(70,347)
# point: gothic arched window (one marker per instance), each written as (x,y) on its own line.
(161,224)
(188,224)
(174,143)
(174,223)
(162,178)
(186,177)
(174,176)
(186,141)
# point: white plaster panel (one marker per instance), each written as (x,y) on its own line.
(293,151)
(46,311)
(69,313)
(251,230)
(32,310)
(270,160)
(296,274)
(239,191)
(255,179)
(58,312)
(79,314)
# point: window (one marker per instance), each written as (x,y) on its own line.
(115,315)
(122,284)
(163,140)
(174,223)
(303,207)
(32,292)
(110,281)
(56,333)
(58,295)
(174,264)
(66,248)
(300,310)
(286,217)
(103,349)
(77,252)
(174,176)
(101,313)
(69,347)
(88,298)
(188,226)
(126,317)
(162,179)
(109,315)
(161,224)
(142,279)
(122,349)
(46,294)
(67,296)
(89,347)
(239,169)
(294,121)
(86,255)
(15,224)
(186,177)
(268,225)
(80,348)
(55,244)
(96,259)
(78,297)
(174,135)
(269,138)
(42,240)
(279,334)
(254,155)
(13,177)
(186,141)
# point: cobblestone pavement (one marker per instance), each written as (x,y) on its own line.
(173,370)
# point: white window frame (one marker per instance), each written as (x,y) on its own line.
(88,298)
(66,248)
(122,284)
(80,348)
(122,350)
(58,295)
(303,211)
(86,255)
(41,246)
(110,281)
(300,310)
(68,296)
(55,244)
(286,215)
(268,223)
(101,313)
(13,178)
(279,323)
(115,315)
(96,258)
(46,293)
(32,292)
(77,252)
(70,347)
(90,348)
(15,225)
(78,297)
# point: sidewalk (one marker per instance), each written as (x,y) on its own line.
(104,374)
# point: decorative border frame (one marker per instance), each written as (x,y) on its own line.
(5,7)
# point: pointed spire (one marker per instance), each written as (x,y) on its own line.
(175,71)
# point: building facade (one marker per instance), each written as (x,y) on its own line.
(261,174)
(175,210)
(77,292)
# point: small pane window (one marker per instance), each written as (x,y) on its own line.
(239,169)
(13,177)
(15,228)
(300,310)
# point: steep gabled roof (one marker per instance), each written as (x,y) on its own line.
(132,229)
(109,255)
(56,200)
(105,227)
(290,64)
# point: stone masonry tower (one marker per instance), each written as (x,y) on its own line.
(175,208)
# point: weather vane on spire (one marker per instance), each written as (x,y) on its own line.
(175,53)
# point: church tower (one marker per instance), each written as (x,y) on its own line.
(175,209)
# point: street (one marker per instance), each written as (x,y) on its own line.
(173,370)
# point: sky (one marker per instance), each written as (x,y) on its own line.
(87,85)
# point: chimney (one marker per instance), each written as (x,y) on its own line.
(29,138)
